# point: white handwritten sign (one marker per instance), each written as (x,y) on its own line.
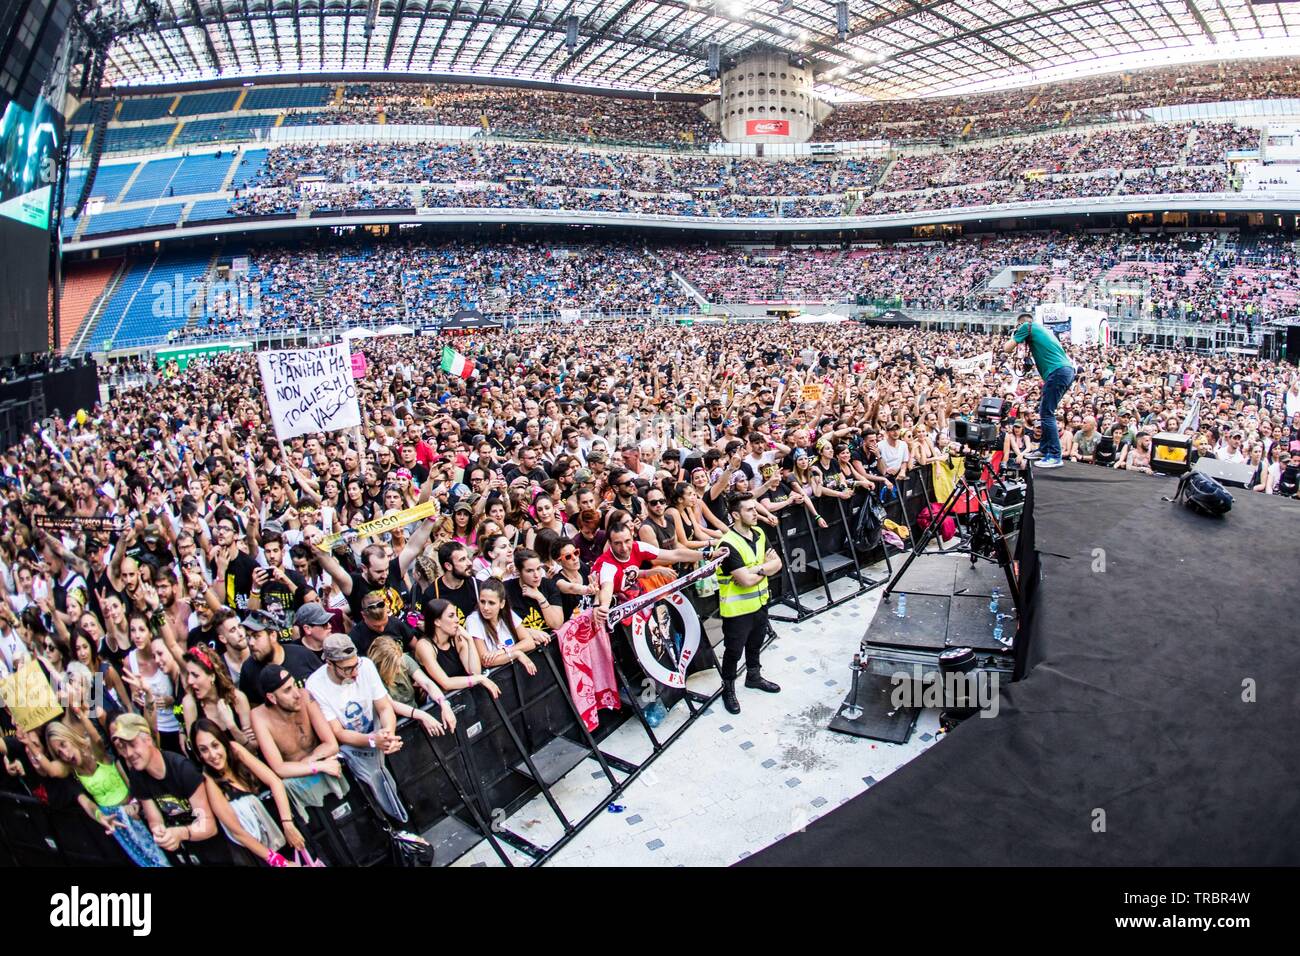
(310,390)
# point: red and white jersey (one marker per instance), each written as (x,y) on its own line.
(623,574)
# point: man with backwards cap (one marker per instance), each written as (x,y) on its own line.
(171,794)
(296,741)
(353,699)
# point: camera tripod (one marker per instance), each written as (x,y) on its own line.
(984,534)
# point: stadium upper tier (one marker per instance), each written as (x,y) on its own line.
(148,121)
(1189,277)
(302,181)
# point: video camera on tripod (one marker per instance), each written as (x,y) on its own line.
(980,435)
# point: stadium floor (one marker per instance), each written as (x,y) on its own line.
(730,786)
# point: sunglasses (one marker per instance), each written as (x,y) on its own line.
(374,609)
(568,555)
(655,501)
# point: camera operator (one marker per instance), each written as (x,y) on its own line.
(1058,374)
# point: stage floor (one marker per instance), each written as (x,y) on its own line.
(1153,726)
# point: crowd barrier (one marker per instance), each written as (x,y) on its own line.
(462,788)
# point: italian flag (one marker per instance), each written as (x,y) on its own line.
(453,363)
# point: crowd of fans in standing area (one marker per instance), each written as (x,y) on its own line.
(242,667)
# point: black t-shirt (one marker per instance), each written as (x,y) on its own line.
(733,560)
(464,598)
(300,662)
(511,470)
(571,602)
(363,635)
(172,795)
(239,582)
(278,599)
(202,635)
(395,591)
(529,610)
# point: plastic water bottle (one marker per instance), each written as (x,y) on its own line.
(902,605)
(993,602)
(655,713)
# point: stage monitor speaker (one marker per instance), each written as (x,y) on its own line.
(1171,453)
(1293,344)
(1233,473)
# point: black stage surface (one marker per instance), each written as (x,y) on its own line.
(1131,704)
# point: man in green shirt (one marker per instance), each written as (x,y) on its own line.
(1058,374)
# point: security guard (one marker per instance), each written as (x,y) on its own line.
(742,598)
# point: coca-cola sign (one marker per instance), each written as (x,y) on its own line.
(767,127)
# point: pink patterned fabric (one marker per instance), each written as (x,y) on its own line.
(589,664)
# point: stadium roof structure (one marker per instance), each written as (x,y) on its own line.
(891,49)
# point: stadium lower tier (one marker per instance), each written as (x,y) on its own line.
(1210,277)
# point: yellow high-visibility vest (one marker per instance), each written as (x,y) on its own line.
(734,600)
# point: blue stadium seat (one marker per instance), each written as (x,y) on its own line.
(149,136)
(249,164)
(144,108)
(223,129)
(144,304)
(195,104)
(209,209)
(286,97)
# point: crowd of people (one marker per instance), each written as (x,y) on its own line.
(1077,102)
(572,117)
(1151,159)
(1185,277)
(420,282)
(164,549)
(523,113)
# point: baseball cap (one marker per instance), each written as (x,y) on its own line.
(582,476)
(129,727)
(262,621)
(338,647)
(312,613)
(272,679)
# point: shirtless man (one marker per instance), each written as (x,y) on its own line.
(296,740)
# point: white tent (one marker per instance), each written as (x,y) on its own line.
(351,334)
(396,330)
(826,318)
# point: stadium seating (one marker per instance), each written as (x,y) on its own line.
(144,108)
(137,218)
(197,104)
(286,97)
(145,303)
(82,285)
(223,130)
(149,136)
(209,209)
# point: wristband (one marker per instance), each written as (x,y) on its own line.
(311,767)
(275,859)
(371,742)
